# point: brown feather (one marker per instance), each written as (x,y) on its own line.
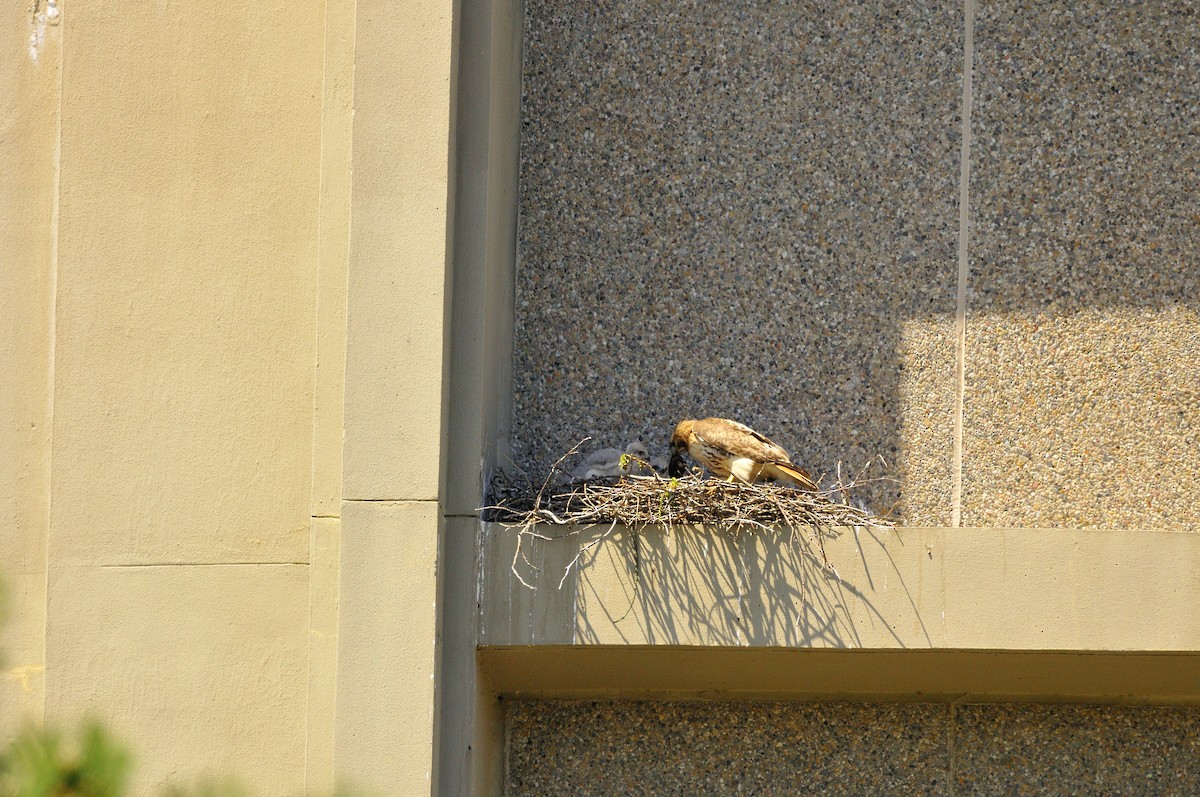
(798,476)
(717,443)
(739,440)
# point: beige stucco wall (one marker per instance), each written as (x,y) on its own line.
(183,377)
(384,729)
(29,74)
(177,237)
(160,235)
(877,589)
(230,371)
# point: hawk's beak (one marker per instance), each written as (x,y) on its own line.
(676,467)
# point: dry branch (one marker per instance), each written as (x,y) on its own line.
(638,501)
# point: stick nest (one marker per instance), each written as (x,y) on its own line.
(651,499)
(638,501)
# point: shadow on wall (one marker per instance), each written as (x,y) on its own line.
(752,210)
(722,588)
(699,586)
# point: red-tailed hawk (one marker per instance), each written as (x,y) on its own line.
(732,450)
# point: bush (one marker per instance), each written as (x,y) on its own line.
(39,764)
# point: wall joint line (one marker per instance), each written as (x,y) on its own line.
(964,218)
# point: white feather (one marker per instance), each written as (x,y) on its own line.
(604,456)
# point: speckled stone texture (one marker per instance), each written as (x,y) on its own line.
(635,748)
(742,209)
(1076,750)
(586,748)
(1082,401)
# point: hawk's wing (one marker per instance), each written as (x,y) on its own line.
(739,440)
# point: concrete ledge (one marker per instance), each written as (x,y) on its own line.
(939,588)
(675,673)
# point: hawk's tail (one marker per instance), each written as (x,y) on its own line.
(797,476)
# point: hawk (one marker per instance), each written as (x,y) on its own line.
(732,450)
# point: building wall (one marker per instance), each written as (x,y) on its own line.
(954,242)
(178,252)
(259,267)
(185,283)
(160,227)
(28,205)
(960,237)
(588,748)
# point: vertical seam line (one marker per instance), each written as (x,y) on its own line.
(964,218)
(52,347)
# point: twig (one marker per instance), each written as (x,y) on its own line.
(637,501)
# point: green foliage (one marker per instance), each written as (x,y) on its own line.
(40,764)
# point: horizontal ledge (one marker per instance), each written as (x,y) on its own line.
(351,500)
(908,588)
(705,673)
(136,565)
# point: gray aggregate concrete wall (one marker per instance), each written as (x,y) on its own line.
(1083,337)
(752,210)
(609,748)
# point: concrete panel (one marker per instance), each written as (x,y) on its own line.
(1081,405)
(387,614)
(29,75)
(398,250)
(329,388)
(1000,589)
(487,130)
(199,669)
(560,747)
(746,210)
(607,748)
(541,613)
(469,719)
(322,653)
(22,650)
(186,283)
(673,672)
(28,161)
(1076,749)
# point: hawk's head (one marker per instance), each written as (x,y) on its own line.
(679,445)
